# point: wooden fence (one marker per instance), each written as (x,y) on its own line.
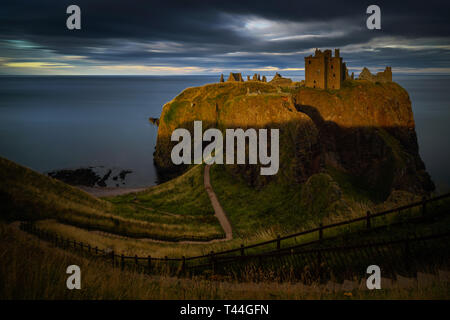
(274,248)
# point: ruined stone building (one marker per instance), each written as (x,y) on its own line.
(324,71)
(279,80)
(385,76)
(235,77)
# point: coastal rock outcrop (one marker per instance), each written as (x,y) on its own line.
(362,135)
(367,131)
(233,105)
(154,121)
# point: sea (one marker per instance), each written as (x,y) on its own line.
(51,123)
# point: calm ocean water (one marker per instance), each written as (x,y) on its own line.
(49,123)
(430,98)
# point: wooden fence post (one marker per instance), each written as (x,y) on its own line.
(166,263)
(183,265)
(319,263)
(424,206)
(368,222)
(242,250)
(112,258)
(278,242)
(407,258)
(319,253)
(213,263)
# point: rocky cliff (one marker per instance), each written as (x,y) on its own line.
(367,130)
(364,131)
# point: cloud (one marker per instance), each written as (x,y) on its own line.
(131,69)
(205,36)
(37,65)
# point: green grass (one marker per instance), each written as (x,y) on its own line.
(172,111)
(279,208)
(26,194)
(33,270)
(178,208)
(184,195)
(275,207)
(354,187)
(182,201)
(181,207)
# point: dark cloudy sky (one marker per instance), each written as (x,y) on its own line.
(210,37)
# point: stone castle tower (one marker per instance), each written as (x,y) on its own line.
(324,71)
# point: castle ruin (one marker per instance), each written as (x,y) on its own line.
(385,76)
(324,71)
(235,77)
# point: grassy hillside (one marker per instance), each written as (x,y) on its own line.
(178,208)
(27,263)
(26,194)
(282,207)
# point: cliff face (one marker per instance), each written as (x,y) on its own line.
(244,105)
(367,130)
(364,130)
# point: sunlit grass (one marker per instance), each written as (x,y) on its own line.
(33,270)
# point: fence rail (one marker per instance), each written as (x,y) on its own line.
(368,218)
(214,258)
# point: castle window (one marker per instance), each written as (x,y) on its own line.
(309,61)
(331,66)
(334,75)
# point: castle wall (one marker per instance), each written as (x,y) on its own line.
(384,76)
(315,72)
(335,73)
(323,71)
